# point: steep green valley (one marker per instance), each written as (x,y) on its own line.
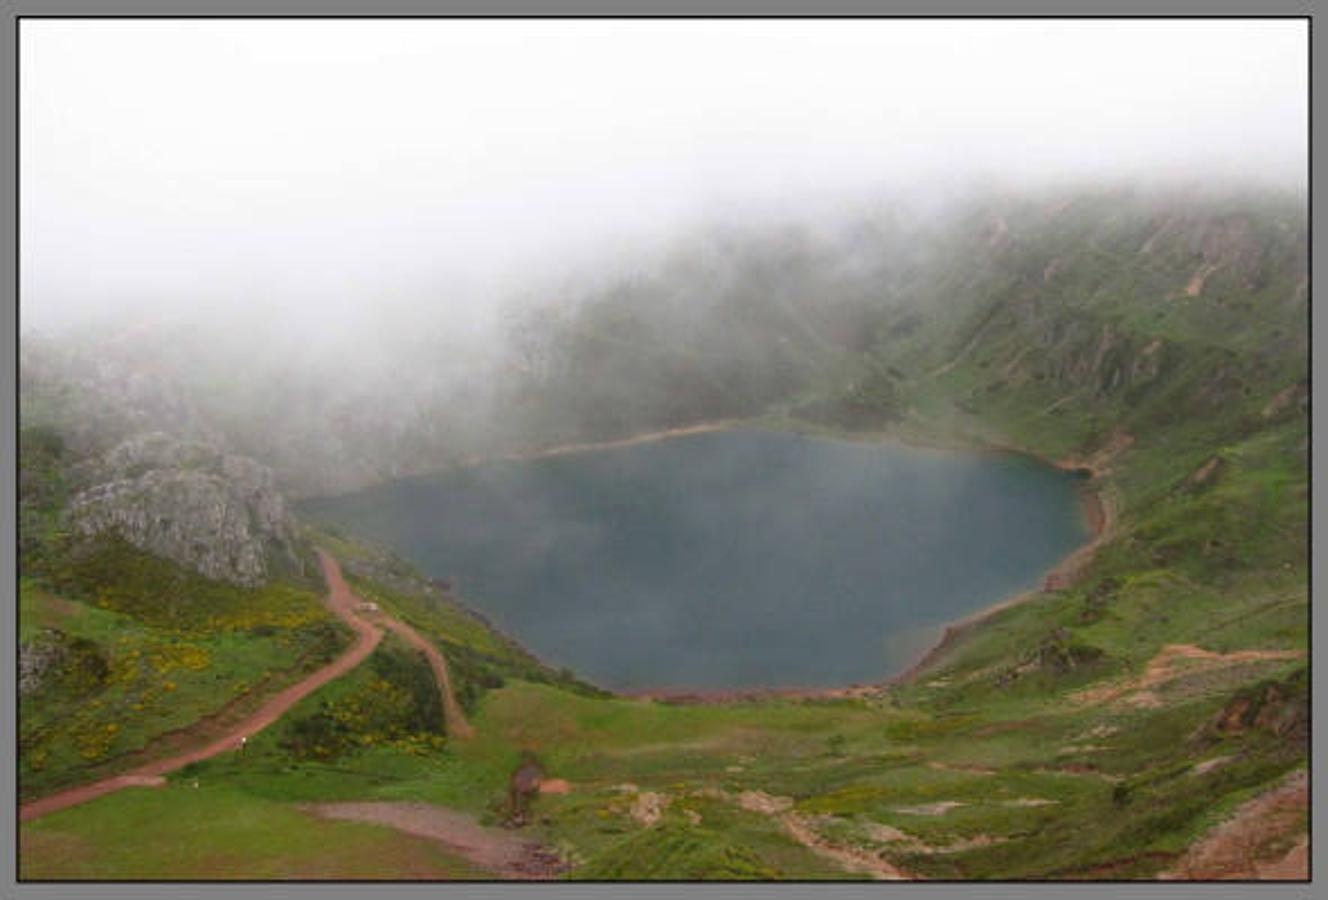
(1154,687)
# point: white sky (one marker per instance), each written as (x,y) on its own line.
(276,168)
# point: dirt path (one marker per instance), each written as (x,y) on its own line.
(1239,847)
(493,849)
(457,726)
(851,859)
(342,603)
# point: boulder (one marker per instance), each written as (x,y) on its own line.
(214,512)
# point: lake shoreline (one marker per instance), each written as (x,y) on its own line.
(1098,506)
(633,440)
(1060,574)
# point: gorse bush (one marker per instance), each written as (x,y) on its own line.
(113,574)
(394,700)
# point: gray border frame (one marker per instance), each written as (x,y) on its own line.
(266,8)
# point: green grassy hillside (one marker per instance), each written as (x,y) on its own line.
(1095,730)
(137,657)
(145,656)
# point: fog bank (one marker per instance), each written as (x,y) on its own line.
(328,177)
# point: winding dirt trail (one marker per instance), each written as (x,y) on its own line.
(457,726)
(342,602)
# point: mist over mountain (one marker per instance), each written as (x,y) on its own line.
(380,246)
(290,286)
(733,320)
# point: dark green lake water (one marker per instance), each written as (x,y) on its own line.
(729,559)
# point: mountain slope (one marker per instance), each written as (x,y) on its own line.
(1097,729)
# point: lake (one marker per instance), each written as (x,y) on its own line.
(730,559)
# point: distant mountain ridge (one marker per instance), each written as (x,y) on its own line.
(1093,292)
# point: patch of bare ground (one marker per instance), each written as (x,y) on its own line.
(1252,843)
(1294,866)
(1098,461)
(648,807)
(1082,748)
(799,827)
(555,786)
(939,808)
(888,834)
(1197,281)
(1029,802)
(1170,663)
(1079,769)
(965,844)
(1281,400)
(504,854)
(1209,765)
(850,859)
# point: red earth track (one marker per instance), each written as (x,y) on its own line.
(457,726)
(342,602)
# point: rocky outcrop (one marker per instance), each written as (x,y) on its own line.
(214,512)
(1278,708)
(143,463)
(53,657)
(36,660)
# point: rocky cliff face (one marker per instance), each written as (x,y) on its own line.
(138,460)
(217,513)
(36,661)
